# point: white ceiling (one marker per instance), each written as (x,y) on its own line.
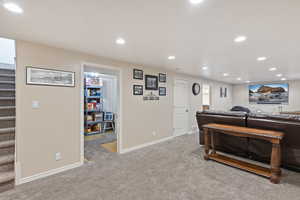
(155,29)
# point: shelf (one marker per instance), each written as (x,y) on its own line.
(263,171)
(93,87)
(93,97)
(93,122)
(93,111)
(92,94)
(92,133)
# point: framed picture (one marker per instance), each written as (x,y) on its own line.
(221,92)
(137,90)
(225,92)
(162,78)
(138,74)
(151,82)
(49,77)
(274,93)
(162,91)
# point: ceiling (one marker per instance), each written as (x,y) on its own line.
(197,35)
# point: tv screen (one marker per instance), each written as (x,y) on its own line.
(269,93)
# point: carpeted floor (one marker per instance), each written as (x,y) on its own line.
(174,170)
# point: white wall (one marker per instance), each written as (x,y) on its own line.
(241,95)
(55,126)
(217,103)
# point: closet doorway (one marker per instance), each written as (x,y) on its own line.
(101,110)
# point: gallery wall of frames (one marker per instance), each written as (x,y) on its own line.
(151,87)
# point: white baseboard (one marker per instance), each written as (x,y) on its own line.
(47,173)
(127,150)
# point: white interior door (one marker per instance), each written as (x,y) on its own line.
(181,107)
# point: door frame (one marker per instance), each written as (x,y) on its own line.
(188,102)
(118,70)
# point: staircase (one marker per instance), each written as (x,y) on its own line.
(7,129)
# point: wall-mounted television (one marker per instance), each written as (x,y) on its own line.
(269,93)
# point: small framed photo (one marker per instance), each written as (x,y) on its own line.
(137,90)
(162,77)
(138,74)
(162,91)
(151,82)
(221,92)
(225,92)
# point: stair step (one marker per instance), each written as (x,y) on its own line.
(6,130)
(7,159)
(7,98)
(7,75)
(7,118)
(7,82)
(7,90)
(7,71)
(7,176)
(7,107)
(6,144)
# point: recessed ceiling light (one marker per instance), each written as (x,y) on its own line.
(261,58)
(273,69)
(205,68)
(240,39)
(248,81)
(283,79)
(225,74)
(196,1)
(279,75)
(239,79)
(12,7)
(171,57)
(120,41)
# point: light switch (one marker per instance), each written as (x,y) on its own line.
(35,104)
(57,156)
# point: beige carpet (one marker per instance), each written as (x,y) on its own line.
(174,170)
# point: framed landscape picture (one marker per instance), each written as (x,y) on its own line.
(269,93)
(138,74)
(151,82)
(49,77)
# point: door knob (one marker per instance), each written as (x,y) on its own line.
(186,110)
